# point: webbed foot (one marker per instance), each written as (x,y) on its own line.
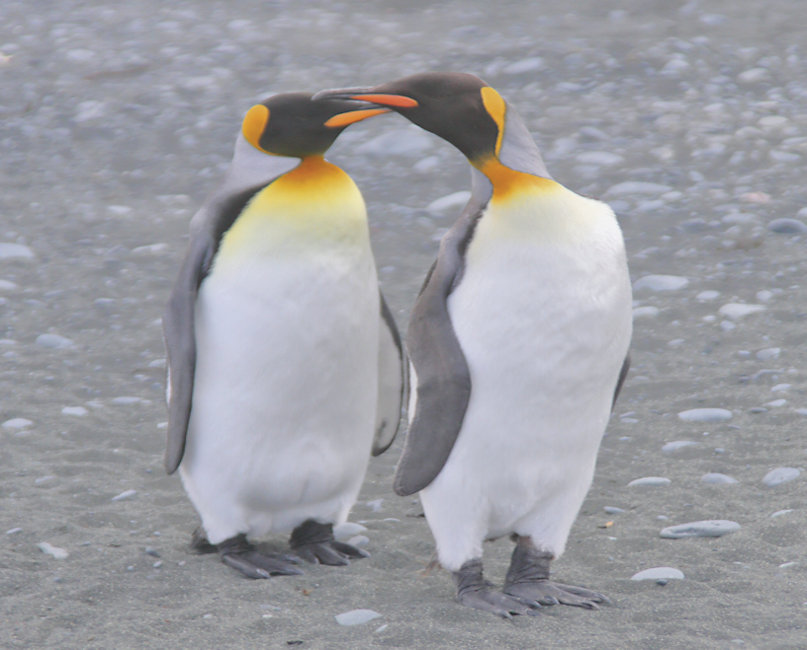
(242,556)
(315,543)
(528,580)
(474,591)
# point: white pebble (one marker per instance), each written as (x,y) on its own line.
(705,415)
(781,475)
(660,283)
(9,251)
(708,295)
(776,403)
(375,504)
(707,528)
(736,310)
(637,187)
(78,411)
(449,202)
(675,445)
(345,531)
(754,75)
(716,478)
(650,481)
(54,551)
(53,341)
(645,312)
(525,65)
(17,423)
(768,353)
(125,400)
(357,617)
(781,513)
(7,285)
(124,495)
(659,573)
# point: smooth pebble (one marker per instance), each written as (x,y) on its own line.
(705,415)
(706,528)
(650,481)
(78,411)
(781,475)
(660,283)
(675,445)
(54,551)
(659,573)
(786,226)
(17,423)
(53,341)
(124,495)
(10,251)
(737,310)
(716,478)
(356,617)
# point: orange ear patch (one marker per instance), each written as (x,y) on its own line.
(497,109)
(351,117)
(254,125)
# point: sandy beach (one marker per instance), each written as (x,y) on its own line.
(689,118)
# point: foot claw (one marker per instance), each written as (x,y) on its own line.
(474,591)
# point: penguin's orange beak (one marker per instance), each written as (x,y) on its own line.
(368,95)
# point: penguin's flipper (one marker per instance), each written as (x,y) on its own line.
(180,345)
(391,381)
(440,378)
(623,373)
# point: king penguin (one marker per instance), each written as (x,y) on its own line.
(285,367)
(518,344)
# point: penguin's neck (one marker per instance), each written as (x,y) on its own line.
(502,184)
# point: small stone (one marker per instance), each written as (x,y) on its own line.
(705,415)
(786,226)
(357,617)
(78,411)
(753,75)
(707,528)
(650,481)
(674,446)
(345,531)
(736,310)
(778,513)
(776,403)
(375,504)
(781,475)
(53,341)
(126,494)
(707,296)
(9,251)
(768,353)
(613,510)
(449,202)
(716,478)
(647,311)
(525,65)
(660,283)
(659,573)
(54,551)
(637,187)
(17,424)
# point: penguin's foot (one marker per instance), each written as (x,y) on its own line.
(474,591)
(242,556)
(528,580)
(314,542)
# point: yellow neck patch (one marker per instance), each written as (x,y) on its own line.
(497,109)
(316,201)
(508,183)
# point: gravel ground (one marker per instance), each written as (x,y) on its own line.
(689,118)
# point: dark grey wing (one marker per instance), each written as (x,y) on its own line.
(440,378)
(391,381)
(623,373)
(213,219)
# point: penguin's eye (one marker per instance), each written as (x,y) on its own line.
(255,122)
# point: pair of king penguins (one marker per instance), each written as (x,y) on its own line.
(285,367)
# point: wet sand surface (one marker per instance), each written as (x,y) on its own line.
(690,119)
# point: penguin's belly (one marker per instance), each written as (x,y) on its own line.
(544,324)
(285,387)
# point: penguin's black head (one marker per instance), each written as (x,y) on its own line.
(460,108)
(290,124)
